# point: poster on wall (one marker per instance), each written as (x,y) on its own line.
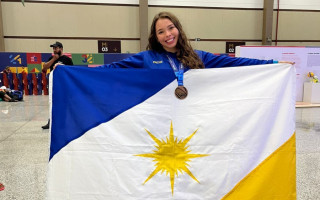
(13,59)
(307,59)
(107,46)
(87,59)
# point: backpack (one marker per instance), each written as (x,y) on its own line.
(17,95)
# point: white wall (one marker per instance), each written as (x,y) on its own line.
(284,4)
(39,23)
(299,4)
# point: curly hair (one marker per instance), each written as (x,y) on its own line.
(185,53)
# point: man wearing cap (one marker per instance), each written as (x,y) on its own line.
(57,57)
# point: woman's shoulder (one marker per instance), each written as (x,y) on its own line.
(149,54)
(203,54)
(200,52)
(145,56)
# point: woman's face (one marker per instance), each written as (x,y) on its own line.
(167,34)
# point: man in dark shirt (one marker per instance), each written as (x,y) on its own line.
(57,57)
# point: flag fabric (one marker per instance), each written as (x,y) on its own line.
(122,134)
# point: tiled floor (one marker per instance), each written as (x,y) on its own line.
(24,149)
(308,153)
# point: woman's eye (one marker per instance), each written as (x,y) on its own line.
(171,27)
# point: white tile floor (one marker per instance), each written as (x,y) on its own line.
(24,149)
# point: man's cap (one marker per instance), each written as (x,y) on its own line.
(57,44)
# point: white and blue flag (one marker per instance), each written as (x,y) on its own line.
(122,134)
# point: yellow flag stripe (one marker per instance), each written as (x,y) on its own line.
(274,178)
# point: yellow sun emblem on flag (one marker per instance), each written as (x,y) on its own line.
(171,156)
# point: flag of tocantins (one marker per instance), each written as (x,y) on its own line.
(122,134)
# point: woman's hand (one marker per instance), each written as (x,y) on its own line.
(292,63)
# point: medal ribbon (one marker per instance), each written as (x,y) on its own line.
(177,72)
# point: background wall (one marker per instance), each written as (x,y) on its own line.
(79,24)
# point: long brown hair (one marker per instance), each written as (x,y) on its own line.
(185,53)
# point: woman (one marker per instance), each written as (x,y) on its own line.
(167,41)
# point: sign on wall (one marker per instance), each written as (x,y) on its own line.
(107,46)
(231,46)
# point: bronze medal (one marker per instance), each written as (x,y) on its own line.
(181,92)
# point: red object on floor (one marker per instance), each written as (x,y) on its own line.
(44,84)
(25,83)
(1,187)
(5,80)
(15,81)
(35,84)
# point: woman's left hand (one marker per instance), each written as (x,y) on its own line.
(292,63)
